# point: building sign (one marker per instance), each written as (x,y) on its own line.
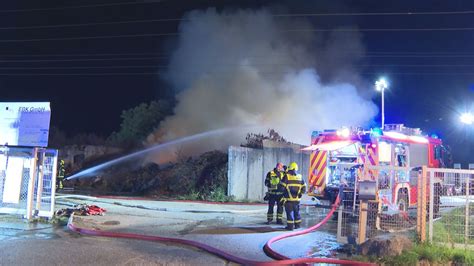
(25,124)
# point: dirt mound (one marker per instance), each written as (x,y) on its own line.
(385,245)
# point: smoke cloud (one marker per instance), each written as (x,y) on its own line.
(247,67)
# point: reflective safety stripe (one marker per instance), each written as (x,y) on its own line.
(290,197)
(294,177)
(290,222)
(275,192)
(297,221)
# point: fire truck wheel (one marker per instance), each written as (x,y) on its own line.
(402,201)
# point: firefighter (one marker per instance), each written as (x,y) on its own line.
(293,187)
(60,175)
(274,195)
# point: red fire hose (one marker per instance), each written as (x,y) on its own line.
(282,260)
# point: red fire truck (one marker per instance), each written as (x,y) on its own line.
(338,159)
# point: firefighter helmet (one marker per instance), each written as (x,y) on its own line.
(293,166)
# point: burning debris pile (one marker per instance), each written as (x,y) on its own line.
(255,140)
(202,177)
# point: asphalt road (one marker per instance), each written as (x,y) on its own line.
(237,229)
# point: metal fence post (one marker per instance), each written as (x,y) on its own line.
(39,190)
(421,206)
(362,221)
(424,185)
(31,186)
(466,219)
(339,225)
(431,203)
(53,182)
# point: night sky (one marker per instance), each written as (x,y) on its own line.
(89,81)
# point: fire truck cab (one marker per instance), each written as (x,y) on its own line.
(338,159)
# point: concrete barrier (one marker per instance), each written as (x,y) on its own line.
(248,167)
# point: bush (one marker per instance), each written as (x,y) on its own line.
(139,122)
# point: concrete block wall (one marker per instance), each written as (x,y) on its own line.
(248,167)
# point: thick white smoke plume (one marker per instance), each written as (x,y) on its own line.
(248,67)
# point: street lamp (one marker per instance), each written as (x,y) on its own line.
(467,118)
(381,85)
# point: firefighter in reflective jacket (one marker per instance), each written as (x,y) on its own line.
(293,187)
(60,175)
(274,195)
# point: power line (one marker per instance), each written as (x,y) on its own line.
(91,37)
(175,34)
(406,13)
(421,56)
(154,73)
(417,65)
(79,59)
(221,72)
(379,30)
(424,73)
(80,74)
(88,24)
(80,6)
(177,19)
(269,65)
(217,61)
(83,67)
(166,55)
(187,19)
(80,55)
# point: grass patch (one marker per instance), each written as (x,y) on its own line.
(432,254)
(217,195)
(451,227)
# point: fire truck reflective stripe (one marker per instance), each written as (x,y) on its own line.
(371,157)
(321,171)
(311,168)
(322,165)
(319,160)
(313,176)
(314,155)
(321,176)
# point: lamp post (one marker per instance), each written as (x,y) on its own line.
(381,85)
(467,118)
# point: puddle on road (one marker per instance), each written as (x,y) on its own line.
(237,230)
(325,246)
(207,226)
(16,234)
(218,221)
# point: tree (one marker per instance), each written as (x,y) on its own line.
(138,122)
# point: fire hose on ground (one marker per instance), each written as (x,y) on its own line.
(281,259)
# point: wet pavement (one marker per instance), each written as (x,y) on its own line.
(237,229)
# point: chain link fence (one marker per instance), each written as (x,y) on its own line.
(449,208)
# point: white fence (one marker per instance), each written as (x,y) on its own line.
(27,181)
